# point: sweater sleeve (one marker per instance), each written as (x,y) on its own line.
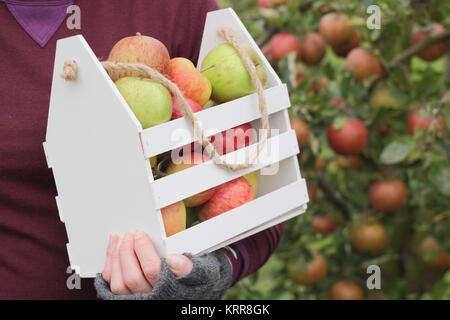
(249,254)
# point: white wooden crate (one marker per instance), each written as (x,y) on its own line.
(99,154)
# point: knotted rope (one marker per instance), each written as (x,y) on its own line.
(117,69)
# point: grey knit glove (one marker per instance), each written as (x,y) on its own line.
(209,279)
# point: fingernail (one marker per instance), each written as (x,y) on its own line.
(139,234)
(127,237)
(176,262)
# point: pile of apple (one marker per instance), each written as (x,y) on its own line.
(223,78)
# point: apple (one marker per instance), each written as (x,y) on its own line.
(369,237)
(389,195)
(228,76)
(335,29)
(313,190)
(210,104)
(312,273)
(336,102)
(149,100)
(184,162)
(343,50)
(364,64)
(282,44)
(141,49)
(228,196)
(320,164)
(345,162)
(174,218)
(191,82)
(420,120)
(348,139)
(253,179)
(346,290)
(435,258)
(435,51)
(301,131)
(233,139)
(264,4)
(177,109)
(312,48)
(153,162)
(324,224)
(381,97)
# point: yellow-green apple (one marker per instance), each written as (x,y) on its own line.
(312,48)
(191,216)
(281,44)
(432,52)
(141,49)
(336,29)
(381,97)
(364,64)
(228,76)
(253,179)
(177,109)
(186,161)
(174,218)
(153,161)
(150,101)
(233,139)
(191,82)
(210,104)
(228,196)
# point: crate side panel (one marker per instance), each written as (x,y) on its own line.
(179,132)
(101,175)
(227,17)
(204,176)
(234,222)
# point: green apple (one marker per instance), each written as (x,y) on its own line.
(228,76)
(382,97)
(150,101)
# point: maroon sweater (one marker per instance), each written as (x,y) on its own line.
(33,258)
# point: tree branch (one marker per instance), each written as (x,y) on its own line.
(408,53)
(333,197)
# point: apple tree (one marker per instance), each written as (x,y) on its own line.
(370,101)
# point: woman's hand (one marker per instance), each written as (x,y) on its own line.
(133,265)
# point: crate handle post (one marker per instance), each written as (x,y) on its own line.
(116,69)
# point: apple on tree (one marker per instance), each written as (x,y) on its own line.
(435,51)
(336,29)
(310,274)
(312,48)
(348,136)
(389,195)
(282,44)
(364,64)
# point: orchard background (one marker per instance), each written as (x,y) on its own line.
(375,147)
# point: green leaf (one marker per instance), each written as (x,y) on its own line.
(397,150)
(440,177)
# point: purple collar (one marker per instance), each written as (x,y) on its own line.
(40,18)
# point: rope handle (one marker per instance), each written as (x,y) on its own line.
(116,69)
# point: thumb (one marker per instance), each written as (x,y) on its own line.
(179,264)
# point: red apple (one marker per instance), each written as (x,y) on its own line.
(268,3)
(364,64)
(191,82)
(234,138)
(336,102)
(312,48)
(141,49)
(228,196)
(177,109)
(346,290)
(184,162)
(349,139)
(369,237)
(310,274)
(417,121)
(435,258)
(174,218)
(343,50)
(323,224)
(389,195)
(281,45)
(435,51)
(335,29)
(301,131)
